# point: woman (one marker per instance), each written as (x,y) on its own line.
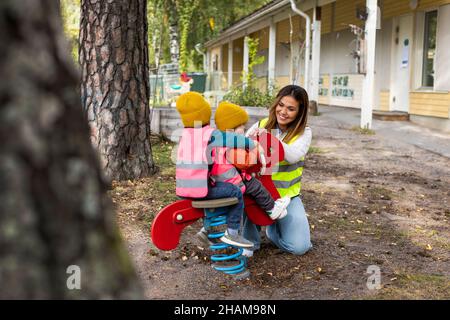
(287,121)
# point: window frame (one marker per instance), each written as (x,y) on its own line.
(424,47)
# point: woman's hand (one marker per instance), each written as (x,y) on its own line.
(256,131)
(260,131)
(262,159)
(261,156)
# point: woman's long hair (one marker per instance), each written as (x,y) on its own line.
(296,127)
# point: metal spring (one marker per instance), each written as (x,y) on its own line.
(218,217)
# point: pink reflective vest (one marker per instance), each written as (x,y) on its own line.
(224,171)
(192,162)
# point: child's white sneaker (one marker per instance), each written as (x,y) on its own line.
(202,235)
(236,240)
(279,209)
(247,253)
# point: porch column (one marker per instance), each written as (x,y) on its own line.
(220,60)
(315,63)
(246,61)
(272,52)
(207,70)
(368,82)
(230,64)
(208,62)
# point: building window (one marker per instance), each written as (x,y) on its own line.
(429,50)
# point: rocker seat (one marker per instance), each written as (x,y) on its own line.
(215,203)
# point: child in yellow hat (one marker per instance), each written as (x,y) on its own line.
(232,118)
(194,161)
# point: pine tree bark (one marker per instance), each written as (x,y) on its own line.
(115,84)
(54,209)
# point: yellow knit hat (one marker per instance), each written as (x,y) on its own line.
(229,116)
(193,108)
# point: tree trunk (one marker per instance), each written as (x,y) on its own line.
(58,236)
(115,84)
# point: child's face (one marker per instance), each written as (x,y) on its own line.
(240,129)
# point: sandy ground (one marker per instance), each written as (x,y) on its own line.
(371,201)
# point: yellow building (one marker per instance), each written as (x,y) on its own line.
(412,54)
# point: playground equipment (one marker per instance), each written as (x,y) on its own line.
(171,220)
(183,86)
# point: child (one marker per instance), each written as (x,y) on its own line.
(232,118)
(195,158)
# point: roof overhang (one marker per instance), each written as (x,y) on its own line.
(261,18)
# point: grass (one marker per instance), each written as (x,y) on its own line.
(316,150)
(142,199)
(417,286)
(162,156)
(379,193)
(364,131)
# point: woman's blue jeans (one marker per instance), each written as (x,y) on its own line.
(290,234)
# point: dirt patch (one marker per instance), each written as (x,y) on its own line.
(369,203)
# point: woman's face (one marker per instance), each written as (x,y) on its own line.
(286,111)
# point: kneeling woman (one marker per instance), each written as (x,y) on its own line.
(287,121)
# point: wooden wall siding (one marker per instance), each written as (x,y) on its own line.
(263,36)
(395,8)
(284,29)
(238,54)
(301,81)
(261,83)
(327,14)
(225,57)
(224,81)
(429,104)
(238,60)
(324,100)
(345,14)
(384,100)
(280,82)
(426,4)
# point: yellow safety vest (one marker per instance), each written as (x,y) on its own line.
(288,176)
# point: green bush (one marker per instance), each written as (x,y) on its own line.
(250,97)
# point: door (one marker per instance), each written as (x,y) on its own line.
(401,63)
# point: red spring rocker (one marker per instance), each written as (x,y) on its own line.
(170,221)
